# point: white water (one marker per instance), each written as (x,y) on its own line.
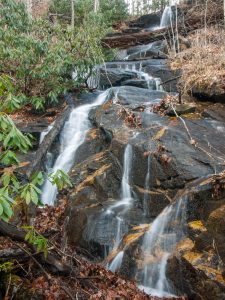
(166,19)
(147,188)
(159,242)
(153,83)
(141,51)
(72,136)
(117,262)
(44,133)
(127,164)
(124,204)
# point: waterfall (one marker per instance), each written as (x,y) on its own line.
(147,188)
(127,164)
(166,19)
(72,136)
(159,242)
(123,204)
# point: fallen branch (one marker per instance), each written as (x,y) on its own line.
(169,80)
(18,234)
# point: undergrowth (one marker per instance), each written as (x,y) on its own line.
(203,64)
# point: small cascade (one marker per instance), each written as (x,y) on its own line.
(123,205)
(147,188)
(141,52)
(159,86)
(159,242)
(127,164)
(117,262)
(72,136)
(153,83)
(44,133)
(166,19)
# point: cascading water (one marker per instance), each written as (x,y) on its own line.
(147,188)
(124,204)
(44,133)
(166,19)
(153,83)
(127,163)
(71,137)
(141,52)
(159,242)
(117,262)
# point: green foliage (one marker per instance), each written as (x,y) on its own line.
(36,63)
(12,138)
(110,11)
(5,204)
(40,242)
(37,58)
(113,11)
(6,267)
(60,179)
(158,5)
(30,192)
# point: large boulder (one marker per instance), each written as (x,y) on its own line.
(114,77)
(209,93)
(159,144)
(147,21)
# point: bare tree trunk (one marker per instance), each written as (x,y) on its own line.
(96,6)
(29,7)
(72,14)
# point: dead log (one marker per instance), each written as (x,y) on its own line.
(48,140)
(8,254)
(54,264)
(128,40)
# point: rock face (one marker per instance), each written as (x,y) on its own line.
(169,157)
(200,258)
(147,21)
(174,161)
(118,73)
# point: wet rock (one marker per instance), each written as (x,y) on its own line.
(212,93)
(147,21)
(168,77)
(137,83)
(174,161)
(114,77)
(96,141)
(216,229)
(216,112)
(149,53)
(155,46)
(192,281)
(133,96)
(182,109)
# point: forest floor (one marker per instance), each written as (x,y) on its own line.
(29,278)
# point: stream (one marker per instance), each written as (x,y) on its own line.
(73,136)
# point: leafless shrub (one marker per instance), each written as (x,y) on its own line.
(203,64)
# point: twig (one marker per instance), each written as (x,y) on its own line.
(174,78)
(68,292)
(8,286)
(34,259)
